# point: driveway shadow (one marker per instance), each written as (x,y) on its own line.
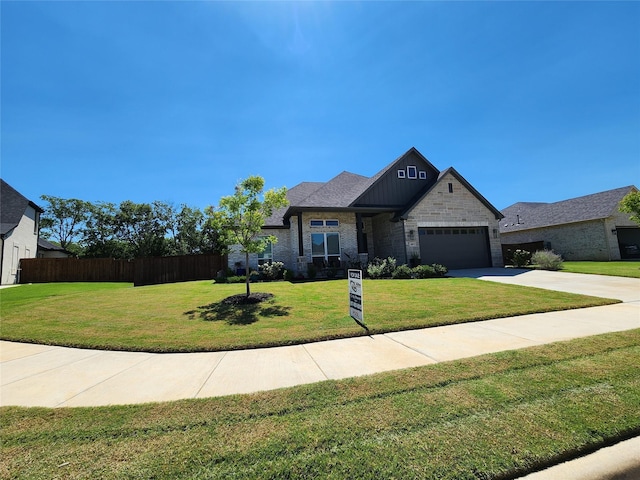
(487,272)
(234,314)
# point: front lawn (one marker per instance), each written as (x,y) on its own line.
(618,269)
(494,416)
(190,316)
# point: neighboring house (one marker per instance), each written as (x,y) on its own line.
(583,228)
(410,210)
(19,230)
(47,249)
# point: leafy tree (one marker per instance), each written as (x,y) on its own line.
(100,239)
(143,227)
(239,217)
(64,220)
(630,203)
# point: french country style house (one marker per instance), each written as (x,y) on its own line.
(409,210)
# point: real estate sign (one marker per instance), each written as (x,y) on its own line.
(355,296)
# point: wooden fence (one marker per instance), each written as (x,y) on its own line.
(183,268)
(141,271)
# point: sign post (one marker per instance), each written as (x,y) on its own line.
(355,297)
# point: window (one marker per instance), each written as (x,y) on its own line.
(36,224)
(324,223)
(266,256)
(423,175)
(412,172)
(325,249)
(401,174)
(451,188)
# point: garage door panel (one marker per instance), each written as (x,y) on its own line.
(455,247)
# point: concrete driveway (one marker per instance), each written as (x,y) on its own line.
(620,288)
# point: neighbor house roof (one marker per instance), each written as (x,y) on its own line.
(527,215)
(48,246)
(12,207)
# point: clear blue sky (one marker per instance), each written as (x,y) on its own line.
(177,101)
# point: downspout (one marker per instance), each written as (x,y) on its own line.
(404,241)
(606,237)
(1,257)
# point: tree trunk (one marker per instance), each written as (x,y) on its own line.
(247,273)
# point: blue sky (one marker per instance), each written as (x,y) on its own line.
(177,101)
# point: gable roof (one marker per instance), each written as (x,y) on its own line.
(453,172)
(12,207)
(349,191)
(527,215)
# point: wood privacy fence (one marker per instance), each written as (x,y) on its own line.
(141,271)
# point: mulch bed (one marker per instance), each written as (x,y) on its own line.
(242,299)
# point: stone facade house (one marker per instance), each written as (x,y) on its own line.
(409,210)
(583,228)
(19,231)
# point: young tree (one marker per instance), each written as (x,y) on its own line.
(239,217)
(630,203)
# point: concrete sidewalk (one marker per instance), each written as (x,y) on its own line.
(40,375)
(49,376)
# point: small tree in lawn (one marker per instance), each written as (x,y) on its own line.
(239,217)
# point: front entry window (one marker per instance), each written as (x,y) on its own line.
(325,249)
(266,256)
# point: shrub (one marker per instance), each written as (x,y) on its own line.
(381,268)
(547,260)
(521,258)
(288,275)
(424,271)
(236,279)
(311,271)
(272,270)
(402,272)
(440,270)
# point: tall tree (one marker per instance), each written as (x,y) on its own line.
(64,219)
(630,203)
(239,217)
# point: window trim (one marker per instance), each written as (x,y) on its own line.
(422,174)
(324,222)
(402,174)
(412,172)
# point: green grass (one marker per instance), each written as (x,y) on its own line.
(189,316)
(493,416)
(619,269)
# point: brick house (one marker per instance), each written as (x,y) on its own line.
(19,231)
(409,210)
(583,228)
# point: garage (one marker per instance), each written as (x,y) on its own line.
(455,247)
(629,242)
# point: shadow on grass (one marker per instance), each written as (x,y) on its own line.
(235,313)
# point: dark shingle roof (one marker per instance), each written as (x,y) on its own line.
(528,215)
(47,245)
(12,207)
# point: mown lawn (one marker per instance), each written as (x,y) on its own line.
(618,269)
(190,316)
(486,417)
